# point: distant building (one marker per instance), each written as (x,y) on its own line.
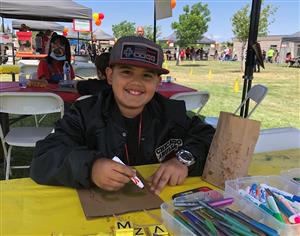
(283,43)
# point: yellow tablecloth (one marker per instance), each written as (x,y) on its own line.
(31,209)
(27,208)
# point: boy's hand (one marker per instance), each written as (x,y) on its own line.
(171,172)
(110,175)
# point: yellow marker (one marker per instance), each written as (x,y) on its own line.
(123,228)
(236,86)
(158,230)
(139,231)
(209,74)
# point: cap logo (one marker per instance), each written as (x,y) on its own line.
(139,52)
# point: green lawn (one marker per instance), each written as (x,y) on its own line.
(280,108)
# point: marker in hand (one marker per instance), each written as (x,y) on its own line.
(134,179)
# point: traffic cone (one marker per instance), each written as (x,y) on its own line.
(191,71)
(210,74)
(236,86)
(165,65)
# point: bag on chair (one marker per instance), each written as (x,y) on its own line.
(231,150)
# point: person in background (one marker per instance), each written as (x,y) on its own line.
(140,31)
(51,68)
(270,55)
(130,121)
(24,28)
(264,55)
(94,86)
(39,42)
(46,41)
(276,56)
(289,60)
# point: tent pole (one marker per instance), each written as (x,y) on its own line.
(154,24)
(2,26)
(249,64)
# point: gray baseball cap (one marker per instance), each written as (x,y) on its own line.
(138,51)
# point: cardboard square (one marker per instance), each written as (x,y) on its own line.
(96,202)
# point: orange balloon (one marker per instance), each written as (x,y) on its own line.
(101,16)
(98,22)
(173,4)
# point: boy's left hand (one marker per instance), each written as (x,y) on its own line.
(171,172)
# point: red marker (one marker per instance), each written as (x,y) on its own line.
(134,179)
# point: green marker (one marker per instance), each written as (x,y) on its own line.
(274,208)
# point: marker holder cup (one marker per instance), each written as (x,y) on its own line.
(231,190)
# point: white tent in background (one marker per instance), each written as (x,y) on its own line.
(35,25)
(102,35)
(59,11)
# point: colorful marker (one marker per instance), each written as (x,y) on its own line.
(294,219)
(134,179)
(281,192)
(272,204)
(247,196)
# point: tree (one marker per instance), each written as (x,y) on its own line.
(149,31)
(241,22)
(123,29)
(192,24)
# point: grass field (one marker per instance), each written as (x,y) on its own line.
(280,108)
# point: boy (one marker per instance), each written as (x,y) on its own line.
(130,121)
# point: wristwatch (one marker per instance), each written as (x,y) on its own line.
(185,157)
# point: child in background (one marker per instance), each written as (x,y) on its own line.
(130,121)
(51,68)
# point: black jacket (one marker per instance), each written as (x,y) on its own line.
(92,86)
(94,128)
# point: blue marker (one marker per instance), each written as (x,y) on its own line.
(262,195)
(252,191)
(287,195)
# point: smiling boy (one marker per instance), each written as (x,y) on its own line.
(130,121)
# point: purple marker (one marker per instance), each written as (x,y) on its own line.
(221,203)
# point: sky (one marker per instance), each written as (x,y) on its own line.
(141,12)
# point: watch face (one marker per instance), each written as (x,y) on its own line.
(187,156)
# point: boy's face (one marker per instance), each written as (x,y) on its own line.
(133,86)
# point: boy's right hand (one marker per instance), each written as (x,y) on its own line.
(110,175)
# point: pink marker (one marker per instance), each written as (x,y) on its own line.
(294,219)
(134,179)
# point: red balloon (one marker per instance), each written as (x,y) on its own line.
(98,22)
(101,16)
(173,4)
(65,33)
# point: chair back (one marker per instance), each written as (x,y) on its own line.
(83,97)
(30,103)
(82,69)
(193,100)
(257,93)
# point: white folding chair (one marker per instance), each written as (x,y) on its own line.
(27,103)
(83,97)
(257,93)
(193,100)
(84,69)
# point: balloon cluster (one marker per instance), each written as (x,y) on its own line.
(173,4)
(98,17)
(65,32)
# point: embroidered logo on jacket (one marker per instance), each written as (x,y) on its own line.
(165,149)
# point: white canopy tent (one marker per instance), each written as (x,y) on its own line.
(46,10)
(35,25)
